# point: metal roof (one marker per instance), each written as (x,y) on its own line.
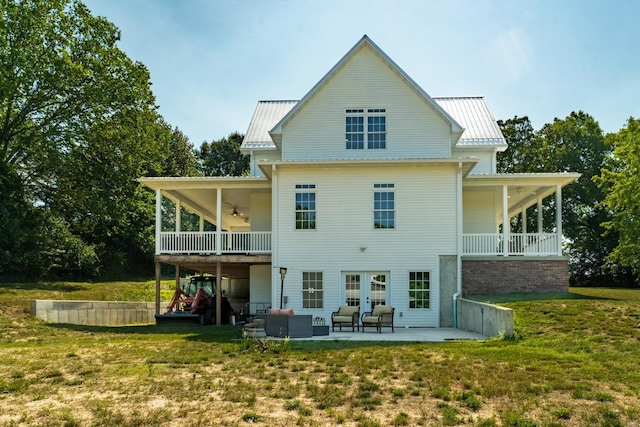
(471,112)
(267,114)
(480,128)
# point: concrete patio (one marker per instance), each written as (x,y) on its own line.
(400,334)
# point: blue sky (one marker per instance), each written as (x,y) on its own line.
(212,60)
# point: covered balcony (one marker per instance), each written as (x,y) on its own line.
(492,204)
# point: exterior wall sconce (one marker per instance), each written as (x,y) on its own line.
(363,248)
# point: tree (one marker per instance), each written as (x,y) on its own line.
(574,144)
(523,152)
(621,181)
(78,125)
(223,157)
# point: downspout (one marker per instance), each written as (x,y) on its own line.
(459,225)
(274,229)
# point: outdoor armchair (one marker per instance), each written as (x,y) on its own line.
(346,315)
(382,315)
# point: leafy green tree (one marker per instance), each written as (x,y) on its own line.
(574,144)
(223,157)
(621,181)
(78,125)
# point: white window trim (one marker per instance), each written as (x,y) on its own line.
(389,189)
(365,113)
(302,290)
(305,188)
(431,290)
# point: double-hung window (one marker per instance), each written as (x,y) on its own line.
(384,206)
(312,294)
(419,289)
(305,207)
(375,131)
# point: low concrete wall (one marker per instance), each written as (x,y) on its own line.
(486,319)
(96,313)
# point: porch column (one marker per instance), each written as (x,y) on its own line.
(524,221)
(178,216)
(218,221)
(218,294)
(201,223)
(177,277)
(157,288)
(540,224)
(158,220)
(559,217)
(506,224)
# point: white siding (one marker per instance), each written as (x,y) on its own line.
(260,211)
(425,223)
(260,287)
(414,129)
(479,210)
(486,159)
(257,156)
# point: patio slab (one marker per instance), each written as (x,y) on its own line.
(400,334)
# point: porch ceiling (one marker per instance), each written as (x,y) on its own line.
(523,190)
(234,266)
(198,195)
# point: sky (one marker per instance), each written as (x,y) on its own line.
(211,61)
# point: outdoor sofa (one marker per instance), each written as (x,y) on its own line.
(284,323)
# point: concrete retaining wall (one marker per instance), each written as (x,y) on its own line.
(96,313)
(486,319)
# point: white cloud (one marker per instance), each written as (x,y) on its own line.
(512,51)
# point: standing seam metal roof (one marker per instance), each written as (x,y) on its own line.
(267,114)
(471,112)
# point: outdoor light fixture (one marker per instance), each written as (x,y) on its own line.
(283,272)
(234,213)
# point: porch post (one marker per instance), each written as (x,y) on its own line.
(178,216)
(177,277)
(218,294)
(540,215)
(540,223)
(157,288)
(506,224)
(524,221)
(218,221)
(201,223)
(158,219)
(559,217)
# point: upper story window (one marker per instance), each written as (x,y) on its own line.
(305,207)
(376,129)
(384,206)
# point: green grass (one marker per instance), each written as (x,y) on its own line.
(574,361)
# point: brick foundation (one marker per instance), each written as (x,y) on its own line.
(490,275)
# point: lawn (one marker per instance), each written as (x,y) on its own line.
(573,362)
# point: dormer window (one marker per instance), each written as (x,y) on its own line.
(376,130)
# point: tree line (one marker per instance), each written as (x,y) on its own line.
(79,125)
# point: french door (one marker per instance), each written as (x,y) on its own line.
(365,288)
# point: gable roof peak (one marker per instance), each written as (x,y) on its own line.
(456,128)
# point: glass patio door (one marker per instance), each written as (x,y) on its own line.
(365,288)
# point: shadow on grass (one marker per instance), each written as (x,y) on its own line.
(225,334)
(533,296)
(44,286)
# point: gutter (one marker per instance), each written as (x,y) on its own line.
(458,292)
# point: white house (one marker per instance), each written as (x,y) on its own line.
(368,190)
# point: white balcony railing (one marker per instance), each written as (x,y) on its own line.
(193,242)
(534,244)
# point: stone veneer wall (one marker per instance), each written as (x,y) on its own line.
(95,313)
(491,275)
